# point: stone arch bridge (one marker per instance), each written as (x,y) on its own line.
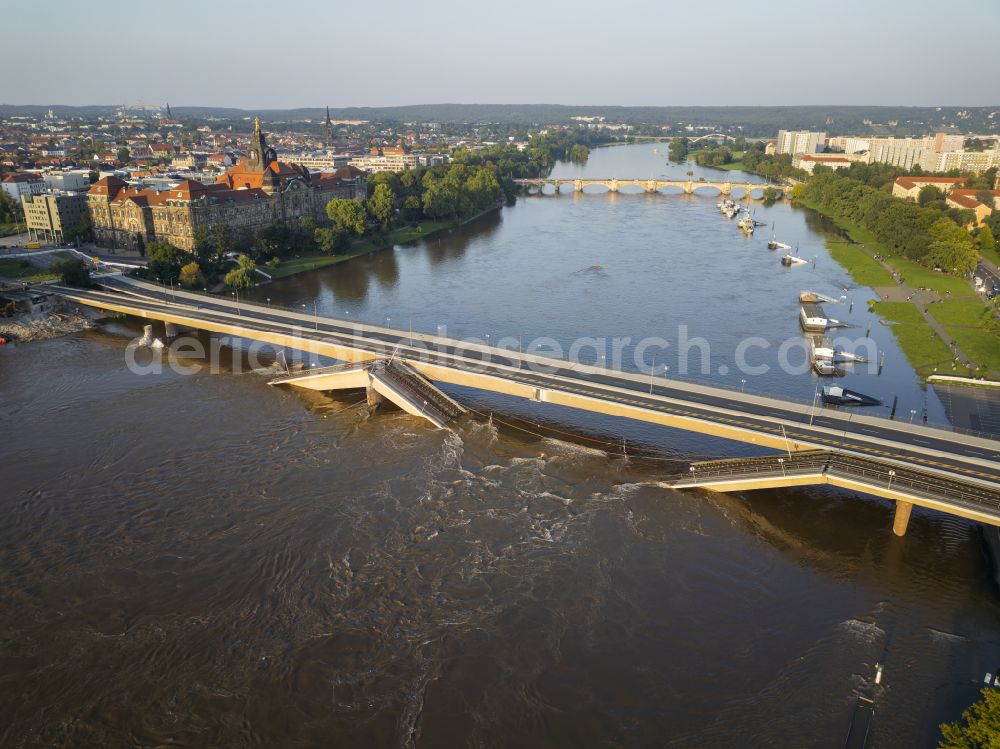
(689,187)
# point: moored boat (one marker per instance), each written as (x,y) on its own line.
(791,260)
(839,396)
(812,318)
(812,296)
(827,368)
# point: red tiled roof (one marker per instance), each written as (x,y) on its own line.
(188,190)
(348,172)
(106,186)
(22,177)
(966,201)
(908,182)
(239,177)
(994,193)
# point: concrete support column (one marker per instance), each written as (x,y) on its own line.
(901,518)
(374,398)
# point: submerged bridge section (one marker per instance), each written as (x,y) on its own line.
(689,187)
(382,379)
(954,469)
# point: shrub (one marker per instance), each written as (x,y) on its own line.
(73,272)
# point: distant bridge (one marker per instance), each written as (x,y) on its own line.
(613,184)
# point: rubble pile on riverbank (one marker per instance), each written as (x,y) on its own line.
(53,325)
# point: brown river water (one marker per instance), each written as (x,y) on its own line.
(206,561)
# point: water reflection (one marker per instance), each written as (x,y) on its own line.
(386,269)
(346,281)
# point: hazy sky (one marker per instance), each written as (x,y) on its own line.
(252,54)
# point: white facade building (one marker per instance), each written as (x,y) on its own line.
(317,161)
(71,181)
(385,163)
(800,141)
(17,184)
(967,161)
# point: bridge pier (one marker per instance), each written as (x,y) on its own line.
(901,518)
(374,398)
(578,185)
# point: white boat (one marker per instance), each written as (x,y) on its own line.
(812,296)
(776,245)
(812,318)
(827,368)
(728,207)
(746,223)
(792,260)
(847,356)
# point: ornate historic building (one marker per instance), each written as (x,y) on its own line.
(259,189)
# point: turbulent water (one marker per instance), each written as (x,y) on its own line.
(207,561)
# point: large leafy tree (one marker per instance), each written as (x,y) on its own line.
(928,194)
(347,215)
(951,248)
(380,204)
(984,238)
(678,149)
(242,276)
(165,261)
(331,240)
(73,272)
(191,275)
(979,727)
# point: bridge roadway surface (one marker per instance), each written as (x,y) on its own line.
(779,424)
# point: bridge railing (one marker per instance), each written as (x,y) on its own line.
(873,473)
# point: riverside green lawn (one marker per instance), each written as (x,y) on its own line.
(960,306)
(923,347)
(22,270)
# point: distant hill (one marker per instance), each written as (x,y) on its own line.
(756,121)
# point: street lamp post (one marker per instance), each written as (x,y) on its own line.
(743,384)
(812,411)
(315,316)
(652,369)
(781,462)
(891,474)
(913,412)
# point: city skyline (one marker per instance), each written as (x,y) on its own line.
(784,55)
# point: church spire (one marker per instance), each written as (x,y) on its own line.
(329,128)
(258,154)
